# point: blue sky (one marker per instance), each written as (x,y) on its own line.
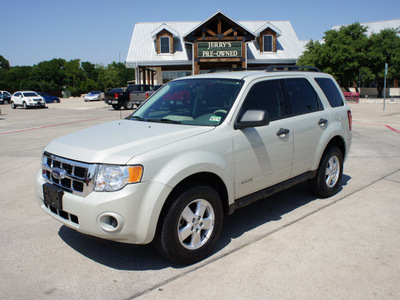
(99,31)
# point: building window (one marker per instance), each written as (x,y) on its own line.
(171,75)
(164,44)
(268,43)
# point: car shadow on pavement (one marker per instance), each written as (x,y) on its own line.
(144,257)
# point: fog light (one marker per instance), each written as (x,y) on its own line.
(110,222)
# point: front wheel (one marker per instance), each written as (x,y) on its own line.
(13,105)
(329,175)
(192,225)
(24,106)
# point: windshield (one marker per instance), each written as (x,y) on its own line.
(204,102)
(116,90)
(30,94)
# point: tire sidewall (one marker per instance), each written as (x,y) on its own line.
(319,185)
(128,105)
(170,242)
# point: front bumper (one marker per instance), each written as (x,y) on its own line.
(36,104)
(129,215)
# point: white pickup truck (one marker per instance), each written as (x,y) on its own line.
(197,150)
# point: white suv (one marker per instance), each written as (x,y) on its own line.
(27,99)
(200,148)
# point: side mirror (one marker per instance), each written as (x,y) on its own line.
(253,118)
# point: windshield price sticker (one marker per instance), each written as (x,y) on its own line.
(215,119)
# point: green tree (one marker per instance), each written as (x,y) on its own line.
(4,63)
(342,54)
(17,78)
(73,76)
(382,47)
(49,76)
(108,78)
(90,71)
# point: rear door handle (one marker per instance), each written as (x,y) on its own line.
(322,122)
(282,132)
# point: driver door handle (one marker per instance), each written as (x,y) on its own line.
(282,132)
(322,122)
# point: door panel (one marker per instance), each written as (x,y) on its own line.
(307,138)
(262,158)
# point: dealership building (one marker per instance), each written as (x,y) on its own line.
(162,51)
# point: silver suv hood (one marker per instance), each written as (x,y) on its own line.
(118,142)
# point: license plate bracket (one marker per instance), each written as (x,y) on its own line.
(53,196)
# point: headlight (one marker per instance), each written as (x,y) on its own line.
(112,178)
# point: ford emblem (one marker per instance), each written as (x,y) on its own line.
(58,174)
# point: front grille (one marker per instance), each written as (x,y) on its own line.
(63,214)
(72,176)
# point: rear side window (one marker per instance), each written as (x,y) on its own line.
(331,92)
(266,95)
(302,96)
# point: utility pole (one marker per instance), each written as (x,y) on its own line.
(384,87)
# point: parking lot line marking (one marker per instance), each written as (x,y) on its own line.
(387,126)
(49,126)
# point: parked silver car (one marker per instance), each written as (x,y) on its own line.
(197,150)
(93,96)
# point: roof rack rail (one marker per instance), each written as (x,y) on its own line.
(280,68)
(272,68)
(262,68)
(226,70)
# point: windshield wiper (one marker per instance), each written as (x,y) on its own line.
(136,118)
(164,120)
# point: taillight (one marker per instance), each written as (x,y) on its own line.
(350,118)
(116,96)
(147,95)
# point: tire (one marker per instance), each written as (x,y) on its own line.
(128,105)
(116,106)
(13,105)
(191,226)
(328,180)
(24,106)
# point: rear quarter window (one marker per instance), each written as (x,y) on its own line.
(331,91)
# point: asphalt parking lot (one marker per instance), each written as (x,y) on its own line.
(289,246)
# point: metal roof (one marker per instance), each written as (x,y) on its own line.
(376,27)
(142,49)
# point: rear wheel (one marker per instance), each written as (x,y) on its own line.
(13,105)
(128,105)
(192,225)
(328,180)
(24,105)
(116,106)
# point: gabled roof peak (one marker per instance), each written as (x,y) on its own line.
(268,25)
(162,27)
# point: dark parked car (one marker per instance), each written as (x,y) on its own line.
(5,97)
(49,98)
